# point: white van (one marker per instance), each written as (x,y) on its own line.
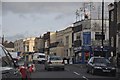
(39,58)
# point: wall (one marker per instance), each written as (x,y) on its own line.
(96,26)
(68,32)
(52,37)
(18,45)
(68,47)
(39,44)
(60,37)
(60,46)
(118,14)
(60,51)
(118,34)
(31,43)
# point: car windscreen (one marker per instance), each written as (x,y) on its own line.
(101,60)
(41,56)
(21,62)
(5,59)
(55,58)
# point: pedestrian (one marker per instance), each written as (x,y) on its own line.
(72,60)
(68,60)
(32,68)
(23,72)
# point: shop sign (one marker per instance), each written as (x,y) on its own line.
(77,48)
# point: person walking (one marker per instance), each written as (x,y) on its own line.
(32,68)
(25,72)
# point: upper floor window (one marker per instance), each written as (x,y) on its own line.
(67,40)
(98,36)
(112,15)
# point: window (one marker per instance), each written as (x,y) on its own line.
(112,15)
(101,60)
(27,48)
(97,33)
(98,36)
(55,58)
(67,40)
(60,41)
(78,36)
(87,55)
(41,56)
(91,60)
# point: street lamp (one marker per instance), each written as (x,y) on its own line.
(102,25)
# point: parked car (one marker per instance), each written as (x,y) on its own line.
(100,65)
(54,62)
(8,68)
(39,58)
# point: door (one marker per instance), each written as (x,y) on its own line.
(7,65)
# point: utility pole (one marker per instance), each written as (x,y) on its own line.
(102,27)
(3,40)
(115,24)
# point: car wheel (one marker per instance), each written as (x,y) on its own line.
(48,69)
(114,74)
(45,68)
(63,69)
(92,71)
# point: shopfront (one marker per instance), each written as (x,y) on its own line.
(98,51)
(86,48)
(87,53)
(83,54)
(78,54)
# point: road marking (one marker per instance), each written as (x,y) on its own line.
(76,73)
(85,78)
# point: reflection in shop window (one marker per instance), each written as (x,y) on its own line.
(87,55)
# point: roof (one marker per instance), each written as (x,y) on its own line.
(9,45)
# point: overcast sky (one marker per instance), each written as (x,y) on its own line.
(27,19)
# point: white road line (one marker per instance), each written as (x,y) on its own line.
(85,78)
(76,73)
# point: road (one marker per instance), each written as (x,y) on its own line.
(70,72)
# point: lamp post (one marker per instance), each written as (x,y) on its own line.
(102,26)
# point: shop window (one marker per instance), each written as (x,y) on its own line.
(87,55)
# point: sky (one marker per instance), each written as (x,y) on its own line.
(32,19)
